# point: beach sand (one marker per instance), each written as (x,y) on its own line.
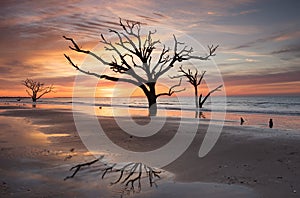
(39,146)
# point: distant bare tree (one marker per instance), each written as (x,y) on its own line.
(134,58)
(36,89)
(195,78)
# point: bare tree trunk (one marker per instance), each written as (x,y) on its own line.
(196,101)
(196,97)
(152,105)
(196,113)
(33,97)
(33,101)
(200,105)
(200,102)
(151,96)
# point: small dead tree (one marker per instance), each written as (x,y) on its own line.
(36,89)
(195,78)
(135,58)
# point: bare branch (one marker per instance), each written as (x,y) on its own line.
(113,65)
(120,68)
(122,172)
(211,52)
(129,29)
(45,91)
(78,49)
(185,53)
(201,102)
(28,93)
(194,79)
(79,166)
(171,90)
(109,168)
(122,43)
(201,77)
(162,59)
(216,89)
(111,78)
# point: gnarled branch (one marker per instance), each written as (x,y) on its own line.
(111,78)
(79,166)
(183,54)
(201,102)
(171,90)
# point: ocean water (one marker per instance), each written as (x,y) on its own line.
(256,110)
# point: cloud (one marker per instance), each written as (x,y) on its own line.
(211,13)
(233,59)
(31,18)
(290,88)
(160,15)
(245,53)
(250,60)
(248,12)
(257,41)
(66,81)
(263,78)
(17,70)
(236,62)
(230,29)
(243,46)
(288,36)
(287,49)
(275,38)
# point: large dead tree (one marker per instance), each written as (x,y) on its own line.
(36,89)
(134,58)
(195,78)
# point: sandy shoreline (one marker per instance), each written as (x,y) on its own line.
(36,147)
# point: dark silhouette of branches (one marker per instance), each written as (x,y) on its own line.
(195,78)
(79,166)
(133,57)
(36,89)
(171,90)
(129,174)
(202,101)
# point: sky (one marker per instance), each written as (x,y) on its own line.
(258,54)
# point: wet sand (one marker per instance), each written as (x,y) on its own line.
(38,146)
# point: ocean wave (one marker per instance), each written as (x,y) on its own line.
(241,105)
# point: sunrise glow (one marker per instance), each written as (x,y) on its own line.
(258,53)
